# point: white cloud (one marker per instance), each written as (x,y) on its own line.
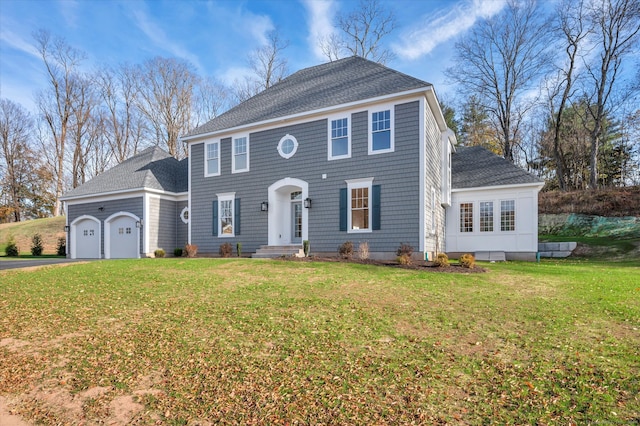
(442,26)
(16,42)
(320,22)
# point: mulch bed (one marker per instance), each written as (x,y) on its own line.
(417,265)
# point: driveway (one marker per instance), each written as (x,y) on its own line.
(27,263)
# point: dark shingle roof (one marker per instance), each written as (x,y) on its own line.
(334,83)
(152,168)
(475,166)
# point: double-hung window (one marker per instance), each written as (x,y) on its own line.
(360,206)
(226,215)
(240,158)
(507,215)
(466,217)
(212,159)
(381,132)
(339,139)
(486,216)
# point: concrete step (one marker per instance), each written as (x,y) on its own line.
(552,249)
(269,252)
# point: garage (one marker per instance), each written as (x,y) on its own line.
(85,235)
(123,237)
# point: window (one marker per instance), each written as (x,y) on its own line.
(184,215)
(466,217)
(339,141)
(360,209)
(381,132)
(360,206)
(486,216)
(240,159)
(226,215)
(287,146)
(508,215)
(212,159)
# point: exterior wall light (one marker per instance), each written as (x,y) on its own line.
(66,228)
(139,224)
(264,206)
(307,203)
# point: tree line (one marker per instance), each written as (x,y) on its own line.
(549,91)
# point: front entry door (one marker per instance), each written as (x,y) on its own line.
(296,223)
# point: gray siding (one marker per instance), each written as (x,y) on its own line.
(396,172)
(165,216)
(130,205)
(434,242)
(182,229)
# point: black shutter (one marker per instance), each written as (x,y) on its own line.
(375,205)
(343,209)
(215,217)
(236,216)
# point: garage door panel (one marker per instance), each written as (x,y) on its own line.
(87,239)
(123,238)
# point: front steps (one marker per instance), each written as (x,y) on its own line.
(270,252)
(556,249)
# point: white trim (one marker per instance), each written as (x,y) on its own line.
(72,234)
(107,233)
(397,98)
(434,216)
(422,134)
(356,184)
(189,194)
(185,210)
(295,146)
(514,186)
(392,125)
(233,153)
(146,213)
(206,159)
(125,193)
(330,119)
(226,196)
(275,213)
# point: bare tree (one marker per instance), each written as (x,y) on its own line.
(15,130)
(616,24)
(85,119)
(499,60)
(56,103)
(572,28)
(211,99)
(165,89)
(360,33)
(122,124)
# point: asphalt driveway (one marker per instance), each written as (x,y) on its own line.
(26,263)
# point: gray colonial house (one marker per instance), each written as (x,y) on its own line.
(345,151)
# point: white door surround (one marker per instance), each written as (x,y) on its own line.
(281,211)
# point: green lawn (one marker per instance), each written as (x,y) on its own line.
(246,341)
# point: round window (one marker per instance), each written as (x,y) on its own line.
(184,215)
(287,146)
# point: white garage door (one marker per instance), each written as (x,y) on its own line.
(123,236)
(87,239)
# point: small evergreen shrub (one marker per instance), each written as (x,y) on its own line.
(177,252)
(363,250)
(239,249)
(305,248)
(36,245)
(467,260)
(62,247)
(12,248)
(345,250)
(159,253)
(225,250)
(442,260)
(191,250)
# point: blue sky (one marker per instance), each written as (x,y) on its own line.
(217,36)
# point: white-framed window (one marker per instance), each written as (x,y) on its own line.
(240,157)
(359,205)
(184,215)
(226,212)
(433,210)
(287,146)
(466,217)
(486,216)
(339,138)
(212,158)
(381,131)
(508,215)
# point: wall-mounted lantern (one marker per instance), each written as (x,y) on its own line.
(139,224)
(264,206)
(307,203)
(66,228)
(101,208)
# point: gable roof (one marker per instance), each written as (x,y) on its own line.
(152,168)
(475,166)
(334,83)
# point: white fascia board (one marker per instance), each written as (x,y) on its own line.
(434,104)
(304,116)
(128,193)
(537,185)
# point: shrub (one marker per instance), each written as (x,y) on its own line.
(239,249)
(177,252)
(62,247)
(467,260)
(12,248)
(442,260)
(36,245)
(345,250)
(225,250)
(363,250)
(191,250)
(404,259)
(159,253)
(404,249)
(305,248)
